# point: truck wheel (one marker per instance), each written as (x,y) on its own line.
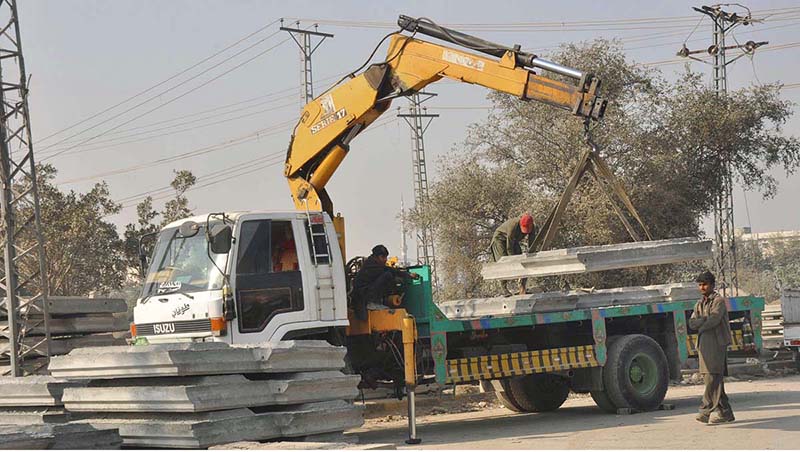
(604,402)
(502,391)
(538,392)
(636,374)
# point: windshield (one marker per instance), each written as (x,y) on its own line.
(182,264)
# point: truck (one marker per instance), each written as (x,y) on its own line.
(263,276)
(790,307)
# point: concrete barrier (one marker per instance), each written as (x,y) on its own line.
(203,430)
(64,436)
(211,393)
(567,301)
(33,391)
(598,258)
(196,358)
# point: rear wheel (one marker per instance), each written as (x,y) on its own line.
(535,393)
(603,401)
(500,389)
(636,374)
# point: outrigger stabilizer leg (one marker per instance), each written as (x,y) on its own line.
(409,340)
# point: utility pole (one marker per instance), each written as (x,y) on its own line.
(24,318)
(403,234)
(307,48)
(725,261)
(419,119)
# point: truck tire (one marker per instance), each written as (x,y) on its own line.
(537,393)
(501,390)
(602,400)
(636,374)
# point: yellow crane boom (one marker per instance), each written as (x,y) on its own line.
(328,123)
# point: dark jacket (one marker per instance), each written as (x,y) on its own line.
(373,283)
(507,239)
(710,319)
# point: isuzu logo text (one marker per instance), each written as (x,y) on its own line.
(164,328)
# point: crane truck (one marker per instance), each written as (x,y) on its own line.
(252,277)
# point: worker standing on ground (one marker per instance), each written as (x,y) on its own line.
(710,319)
(507,239)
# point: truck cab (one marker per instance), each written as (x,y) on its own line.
(243,277)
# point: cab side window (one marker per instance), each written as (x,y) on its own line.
(268,280)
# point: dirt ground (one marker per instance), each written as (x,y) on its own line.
(767,417)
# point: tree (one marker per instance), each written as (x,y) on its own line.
(656,138)
(178,207)
(768,269)
(84,251)
(147,221)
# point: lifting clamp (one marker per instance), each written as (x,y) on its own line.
(592,162)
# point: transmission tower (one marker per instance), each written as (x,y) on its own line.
(725,262)
(307,48)
(419,119)
(24,322)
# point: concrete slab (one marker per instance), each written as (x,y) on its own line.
(61,345)
(95,323)
(33,415)
(197,358)
(201,430)
(566,301)
(214,393)
(587,259)
(302,445)
(58,306)
(39,391)
(58,436)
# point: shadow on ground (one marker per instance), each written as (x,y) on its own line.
(515,428)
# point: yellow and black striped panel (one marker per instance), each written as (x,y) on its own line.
(737,344)
(519,363)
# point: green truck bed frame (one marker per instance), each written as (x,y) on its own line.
(434,326)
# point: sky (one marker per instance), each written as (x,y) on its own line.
(129,91)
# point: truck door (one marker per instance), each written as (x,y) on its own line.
(268,284)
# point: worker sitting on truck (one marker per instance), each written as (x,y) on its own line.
(375,281)
(710,319)
(507,239)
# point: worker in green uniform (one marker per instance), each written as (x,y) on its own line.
(507,239)
(710,319)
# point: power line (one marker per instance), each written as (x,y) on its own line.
(115,142)
(253,136)
(157,96)
(178,74)
(210,110)
(591,25)
(173,99)
(244,167)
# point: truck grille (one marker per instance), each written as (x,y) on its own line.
(185,326)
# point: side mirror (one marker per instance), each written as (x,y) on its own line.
(219,238)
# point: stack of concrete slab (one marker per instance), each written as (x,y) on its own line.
(58,436)
(33,399)
(32,416)
(75,322)
(597,258)
(541,303)
(196,395)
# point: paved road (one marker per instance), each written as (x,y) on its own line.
(767,417)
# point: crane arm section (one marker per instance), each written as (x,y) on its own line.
(328,123)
